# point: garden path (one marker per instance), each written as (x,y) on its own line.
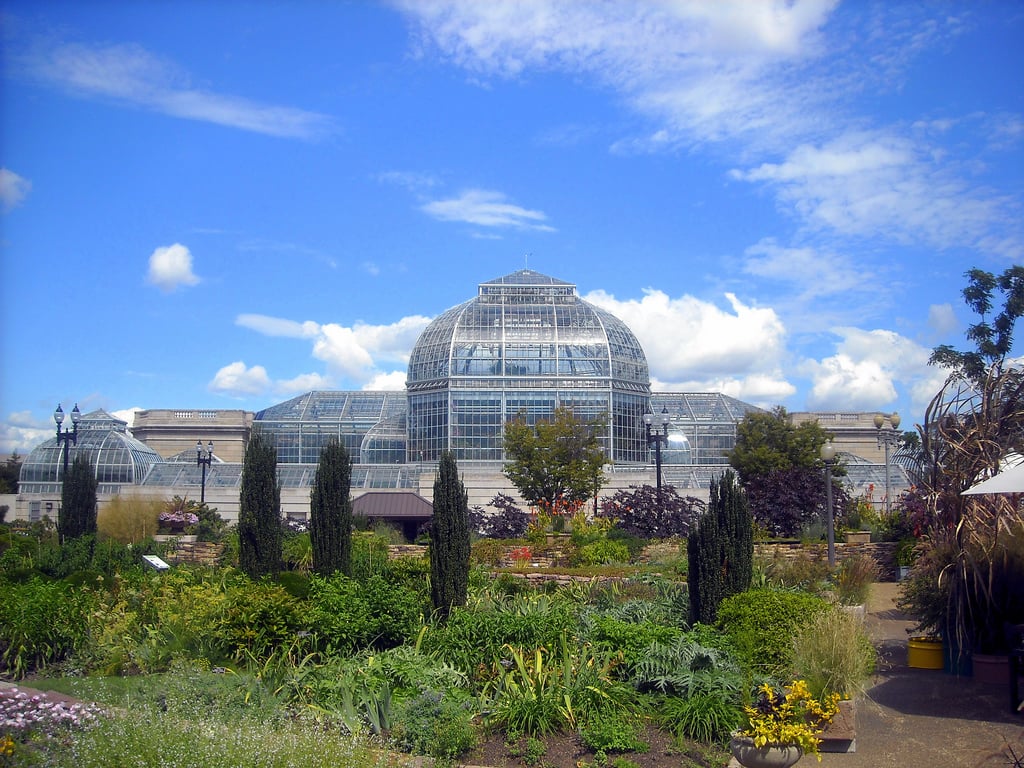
(918,718)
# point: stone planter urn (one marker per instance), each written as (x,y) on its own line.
(749,756)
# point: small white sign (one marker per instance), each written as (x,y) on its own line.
(155,563)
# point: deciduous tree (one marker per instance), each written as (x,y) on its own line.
(557,461)
(641,511)
(768,442)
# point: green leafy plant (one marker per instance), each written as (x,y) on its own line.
(41,622)
(684,667)
(618,733)
(601,552)
(790,716)
(761,623)
(704,717)
(541,692)
(259,618)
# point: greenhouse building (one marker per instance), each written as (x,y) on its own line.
(525,345)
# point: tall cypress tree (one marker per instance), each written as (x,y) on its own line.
(259,509)
(449,539)
(78,500)
(330,511)
(721,550)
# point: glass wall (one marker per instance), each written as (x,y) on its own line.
(525,346)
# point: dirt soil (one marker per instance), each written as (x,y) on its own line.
(565,750)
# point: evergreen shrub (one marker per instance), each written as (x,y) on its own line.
(761,625)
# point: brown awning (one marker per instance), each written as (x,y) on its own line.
(402,505)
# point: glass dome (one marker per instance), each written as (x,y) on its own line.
(385,442)
(526,344)
(118,458)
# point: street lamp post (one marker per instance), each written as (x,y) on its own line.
(657,437)
(203,460)
(887,437)
(828,455)
(68,437)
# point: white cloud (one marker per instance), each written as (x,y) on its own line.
(126,414)
(306,382)
(13,189)
(486,208)
(358,354)
(705,71)
(758,79)
(865,370)
(876,185)
(22,432)
(238,380)
(133,75)
(276,326)
(694,345)
(816,273)
(841,382)
(170,267)
(392,382)
(410,180)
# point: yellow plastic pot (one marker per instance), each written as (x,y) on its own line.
(924,653)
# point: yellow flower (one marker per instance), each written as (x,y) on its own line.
(789,717)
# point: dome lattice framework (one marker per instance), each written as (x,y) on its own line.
(524,346)
(118,458)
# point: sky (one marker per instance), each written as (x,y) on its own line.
(227,204)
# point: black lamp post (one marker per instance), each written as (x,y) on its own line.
(828,455)
(888,437)
(203,460)
(657,437)
(68,437)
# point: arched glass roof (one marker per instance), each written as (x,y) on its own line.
(528,325)
(705,420)
(525,345)
(303,426)
(118,458)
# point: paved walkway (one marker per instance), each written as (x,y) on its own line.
(917,718)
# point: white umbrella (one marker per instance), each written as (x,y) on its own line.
(1010,480)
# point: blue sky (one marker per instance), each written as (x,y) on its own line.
(226,204)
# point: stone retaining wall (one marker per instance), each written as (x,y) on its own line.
(882,552)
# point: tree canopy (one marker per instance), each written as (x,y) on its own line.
(767,442)
(993,340)
(9,473)
(555,461)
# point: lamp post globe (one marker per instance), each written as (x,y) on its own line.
(67,437)
(657,435)
(204,460)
